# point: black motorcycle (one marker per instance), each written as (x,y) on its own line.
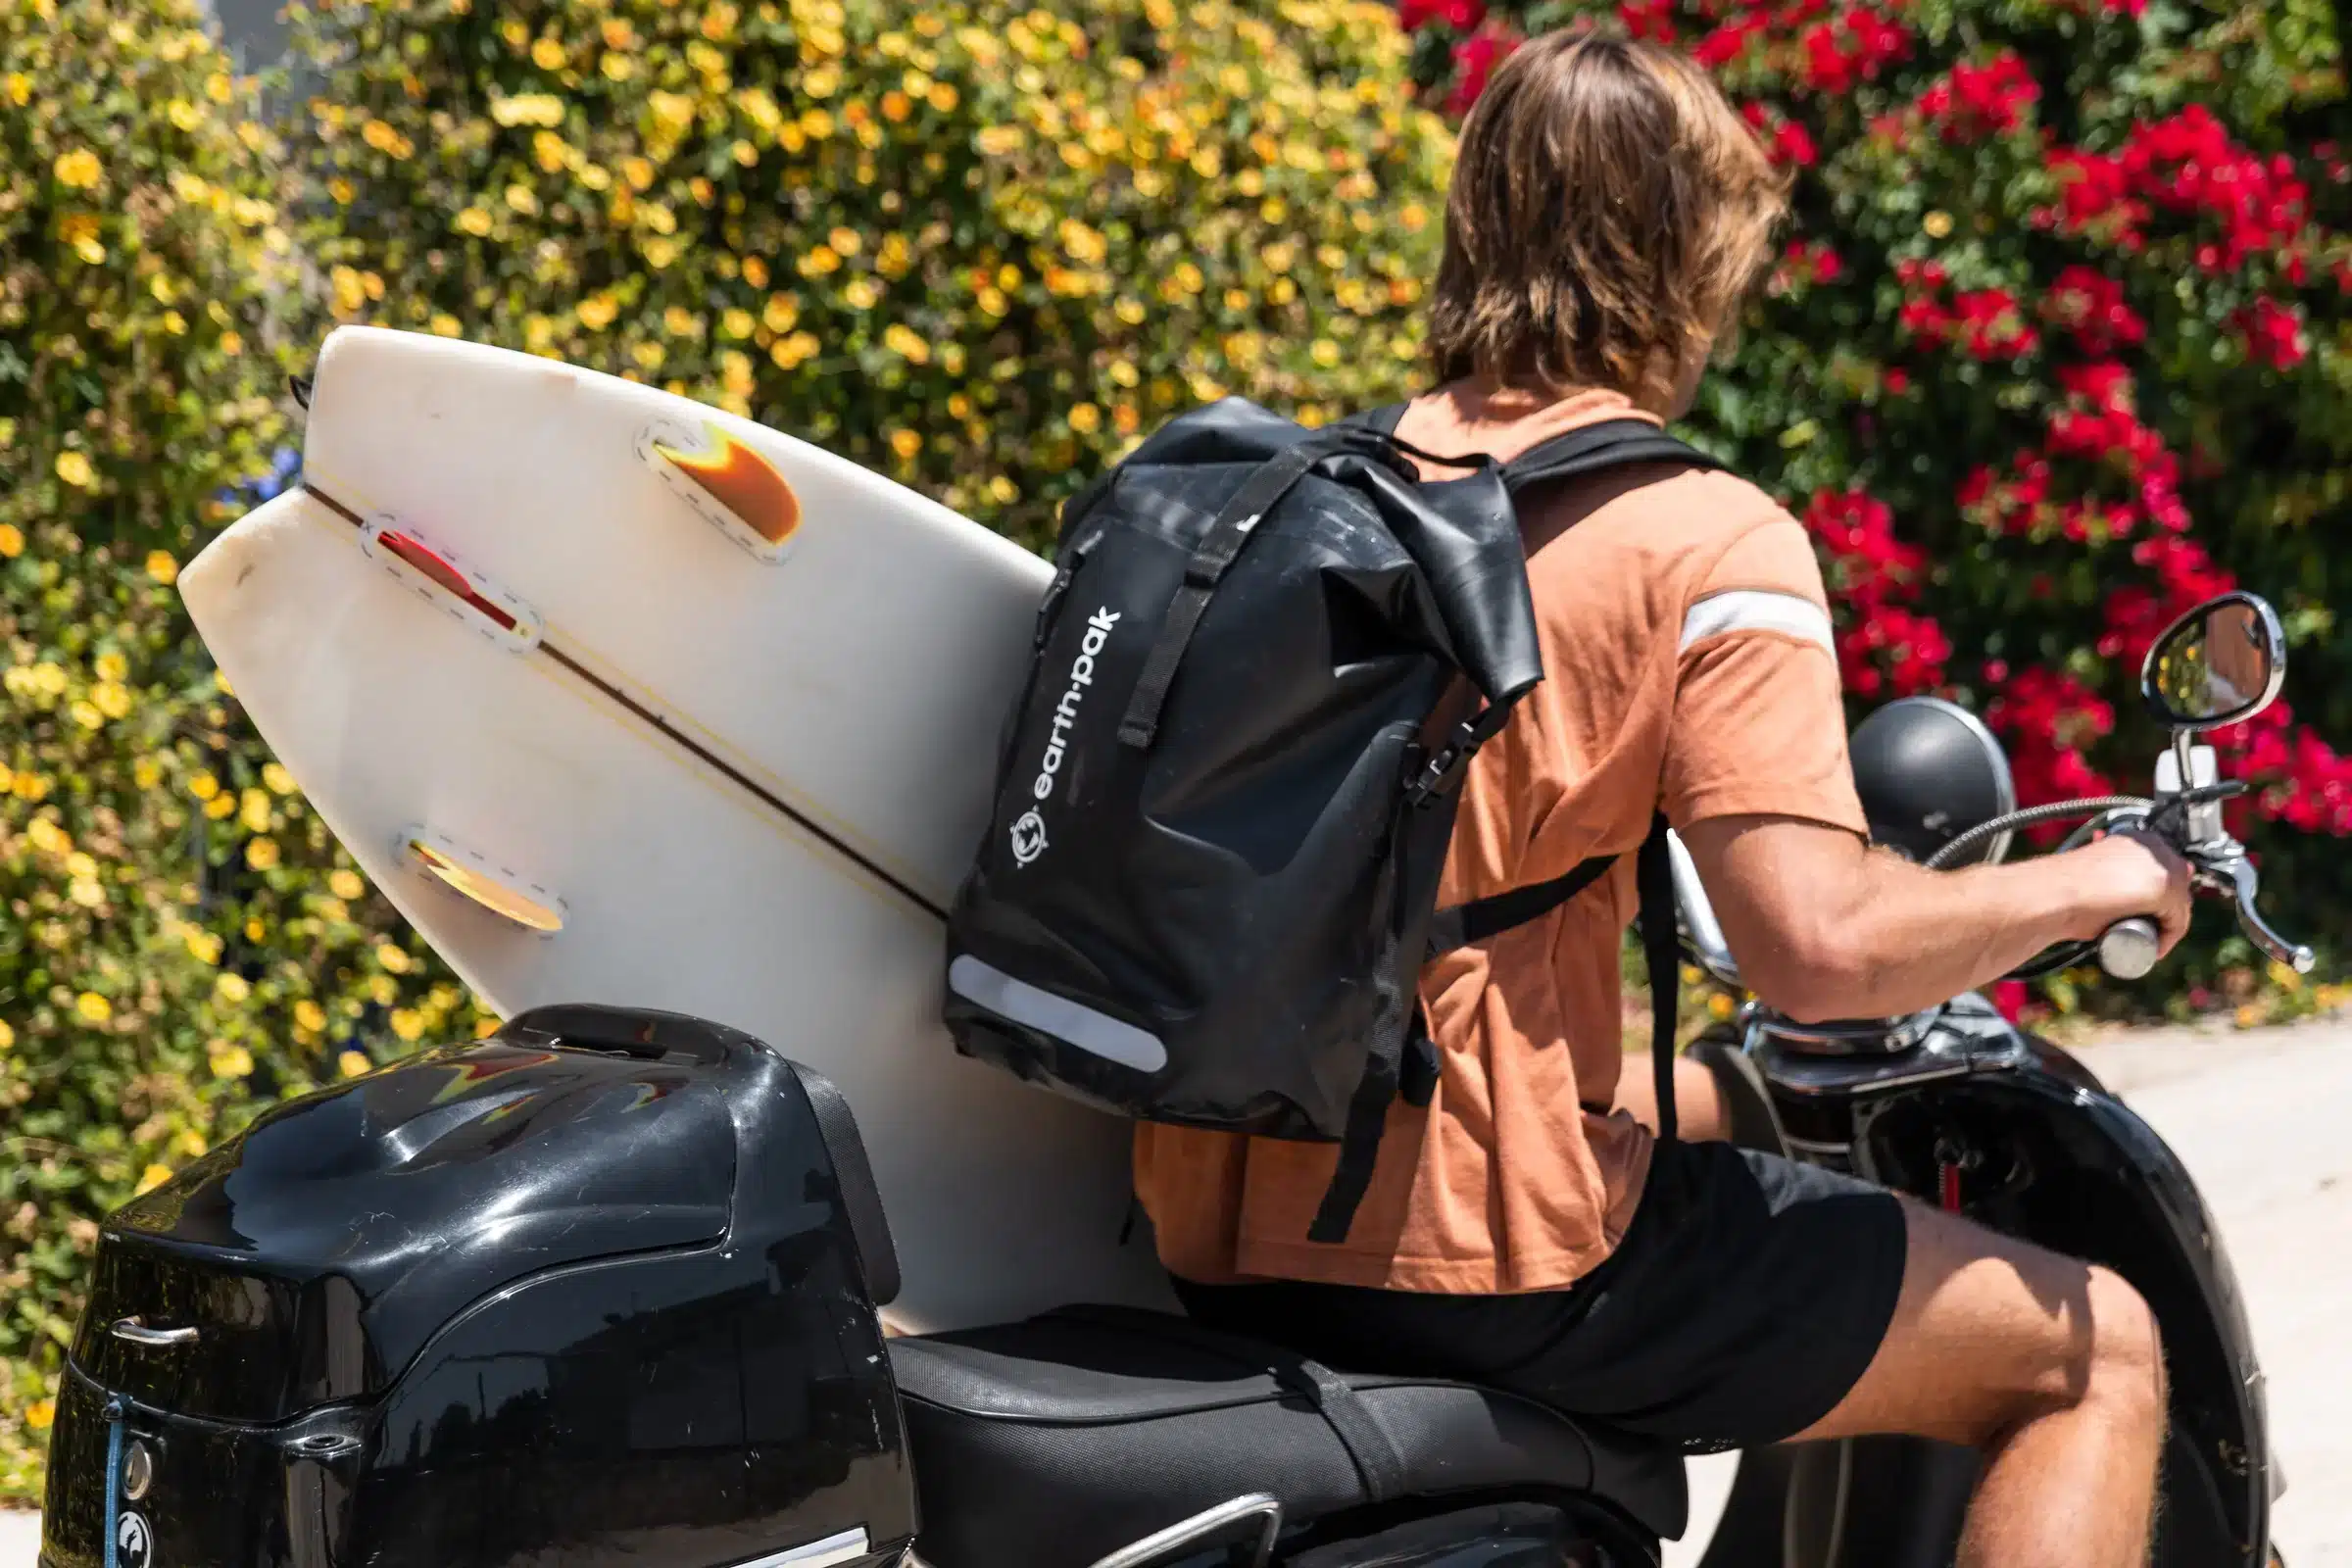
(604,1289)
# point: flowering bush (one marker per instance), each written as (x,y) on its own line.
(979,246)
(180,941)
(2058,345)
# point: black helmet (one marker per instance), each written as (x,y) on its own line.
(1929,771)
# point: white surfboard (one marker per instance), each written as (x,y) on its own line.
(621,699)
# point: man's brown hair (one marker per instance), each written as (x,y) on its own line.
(1609,210)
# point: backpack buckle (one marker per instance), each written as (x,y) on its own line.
(1444,768)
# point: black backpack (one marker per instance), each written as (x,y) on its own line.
(1224,797)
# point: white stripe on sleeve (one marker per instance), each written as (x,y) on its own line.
(1757,610)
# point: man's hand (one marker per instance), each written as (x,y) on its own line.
(2138,871)
(1823,927)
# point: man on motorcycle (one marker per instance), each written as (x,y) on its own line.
(1608,214)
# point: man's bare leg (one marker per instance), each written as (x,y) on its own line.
(2050,1367)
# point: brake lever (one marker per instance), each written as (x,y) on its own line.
(2234,875)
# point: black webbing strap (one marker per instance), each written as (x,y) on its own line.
(1359,1143)
(1654,875)
(1610,444)
(1368,1443)
(853,1176)
(1216,551)
(1482,919)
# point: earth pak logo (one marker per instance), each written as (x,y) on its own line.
(1028,837)
(1029,830)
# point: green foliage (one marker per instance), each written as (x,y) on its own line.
(978,246)
(180,941)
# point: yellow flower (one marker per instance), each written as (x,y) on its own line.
(8,1036)
(1086,418)
(392,959)
(154,1176)
(111,666)
(262,853)
(189,1144)
(1937,224)
(905,443)
(598,311)
(93,1008)
(352,1064)
(280,781)
(203,946)
(12,541)
(203,785)
(77,169)
(230,1062)
(231,987)
(162,567)
(474,221)
(548,54)
(40,1414)
(637,172)
(86,715)
(74,470)
(345,884)
(1325,353)
(253,809)
(904,341)
(221,805)
(112,697)
(308,1014)
(407,1023)
(736,324)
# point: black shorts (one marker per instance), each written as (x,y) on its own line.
(1747,1296)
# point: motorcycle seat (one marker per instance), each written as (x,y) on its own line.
(1052,1441)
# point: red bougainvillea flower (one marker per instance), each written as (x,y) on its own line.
(1786,140)
(1850,48)
(1475,59)
(2273,334)
(2090,306)
(1975,101)
(1462,16)
(1648,19)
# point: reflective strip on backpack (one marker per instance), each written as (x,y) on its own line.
(1073,1023)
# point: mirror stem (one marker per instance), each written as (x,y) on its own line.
(2183,750)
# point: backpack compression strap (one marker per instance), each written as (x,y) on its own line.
(1654,879)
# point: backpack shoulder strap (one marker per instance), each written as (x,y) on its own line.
(1610,444)
(1384,419)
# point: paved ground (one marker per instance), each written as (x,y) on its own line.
(2264,1122)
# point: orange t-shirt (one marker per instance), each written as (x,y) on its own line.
(1688,664)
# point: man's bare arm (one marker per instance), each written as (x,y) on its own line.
(1825,927)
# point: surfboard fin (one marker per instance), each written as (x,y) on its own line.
(465,594)
(729,485)
(472,877)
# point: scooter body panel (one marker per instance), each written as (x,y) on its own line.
(2046,1153)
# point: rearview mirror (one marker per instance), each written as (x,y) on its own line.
(2222,663)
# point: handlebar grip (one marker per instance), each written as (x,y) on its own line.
(2128,951)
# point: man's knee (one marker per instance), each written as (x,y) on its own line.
(2112,1357)
(2127,1347)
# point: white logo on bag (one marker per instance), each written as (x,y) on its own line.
(1028,837)
(1066,711)
(132,1541)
